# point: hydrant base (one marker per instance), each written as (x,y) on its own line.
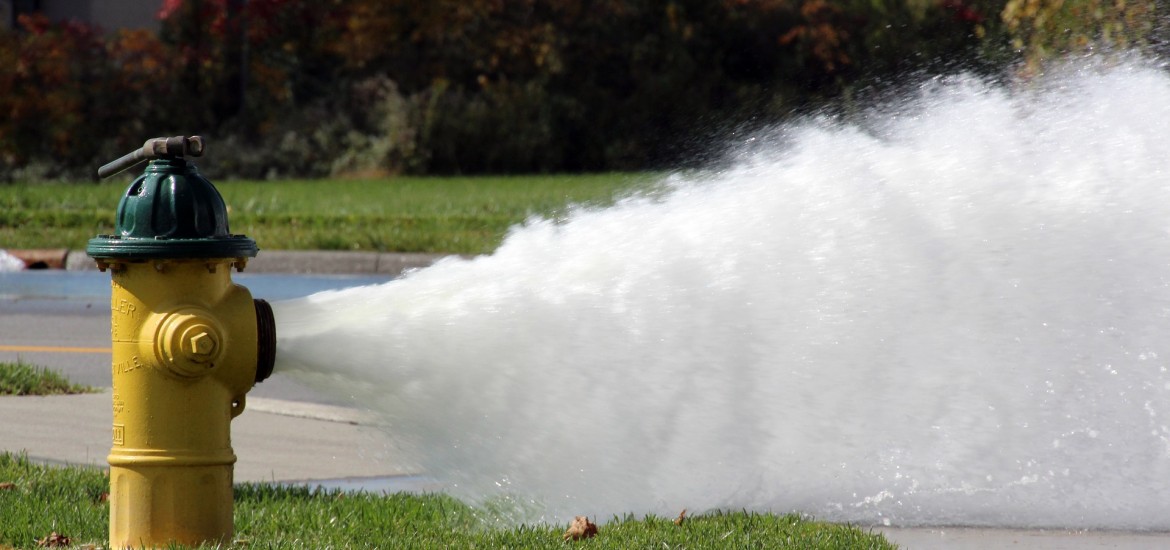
(151,505)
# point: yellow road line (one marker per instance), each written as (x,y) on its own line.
(54,349)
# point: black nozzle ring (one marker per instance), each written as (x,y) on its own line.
(266,340)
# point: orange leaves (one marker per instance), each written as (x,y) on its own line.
(40,83)
(580,528)
(54,540)
(140,57)
(822,33)
(365,27)
(460,40)
(35,23)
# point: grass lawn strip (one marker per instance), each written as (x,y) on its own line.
(21,378)
(438,215)
(39,500)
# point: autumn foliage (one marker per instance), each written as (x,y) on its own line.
(326,87)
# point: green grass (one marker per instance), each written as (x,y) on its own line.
(68,500)
(37,500)
(21,378)
(466,215)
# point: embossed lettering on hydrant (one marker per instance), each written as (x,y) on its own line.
(128,366)
(125,307)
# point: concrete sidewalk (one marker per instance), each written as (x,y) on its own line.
(972,538)
(273,440)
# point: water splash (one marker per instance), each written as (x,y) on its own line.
(958,315)
(8,262)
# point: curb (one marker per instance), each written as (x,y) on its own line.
(312,411)
(42,258)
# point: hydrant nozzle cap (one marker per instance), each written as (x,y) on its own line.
(171,211)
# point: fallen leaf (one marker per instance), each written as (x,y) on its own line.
(7,486)
(53,541)
(581,528)
(682,516)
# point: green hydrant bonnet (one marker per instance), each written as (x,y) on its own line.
(171,211)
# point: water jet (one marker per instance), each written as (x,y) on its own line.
(956,314)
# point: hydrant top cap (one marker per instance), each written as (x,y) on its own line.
(171,211)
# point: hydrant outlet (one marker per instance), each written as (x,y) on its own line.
(265,339)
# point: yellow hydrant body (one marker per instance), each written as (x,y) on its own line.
(177,328)
(188,344)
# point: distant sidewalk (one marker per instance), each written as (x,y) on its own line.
(320,262)
(274,440)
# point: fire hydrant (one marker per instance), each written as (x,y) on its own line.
(188,345)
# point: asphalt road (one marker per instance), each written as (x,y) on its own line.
(73,338)
(61,320)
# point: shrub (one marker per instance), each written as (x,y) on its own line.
(43,77)
(75,98)
(1046,29)
(374,87)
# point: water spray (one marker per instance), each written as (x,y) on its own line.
(958,314)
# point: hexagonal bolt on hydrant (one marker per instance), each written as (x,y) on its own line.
(188,344)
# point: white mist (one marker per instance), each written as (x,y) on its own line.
(960,315)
